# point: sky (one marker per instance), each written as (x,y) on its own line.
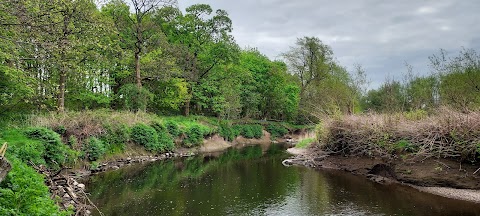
(379,35)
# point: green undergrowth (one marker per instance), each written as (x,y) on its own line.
(304,143)
(23,191)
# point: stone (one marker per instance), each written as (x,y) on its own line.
(115,167)
(81,186)
(66,196)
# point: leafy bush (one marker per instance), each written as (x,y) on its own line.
(194,136)
(22,147)
(173,128)
(146,136)
(276,130)
(158,126)
(134,98)
(116,137)
(56,153)
(94,149)
(229,132)
(23,192)
(166,141)
(406,146)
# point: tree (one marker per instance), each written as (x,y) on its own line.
(310,60)
(459,79)
(144,28)
(58,33)
(203,41)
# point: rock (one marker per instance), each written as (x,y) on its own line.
(88,212)
(75,183)
(66,196)
(115,167)
(81,186)
(129,158)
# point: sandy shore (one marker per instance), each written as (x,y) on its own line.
(453,193)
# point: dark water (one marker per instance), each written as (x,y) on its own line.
(252,181)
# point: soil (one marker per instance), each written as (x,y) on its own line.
(442,177)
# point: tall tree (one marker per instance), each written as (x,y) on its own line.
(310,60)
(204,41)
(144,27)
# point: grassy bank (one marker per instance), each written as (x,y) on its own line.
(413,135)
(85,139)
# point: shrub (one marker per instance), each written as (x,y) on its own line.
(56,153)
(276,130)
(194,136)
(158,126)
(166,140)
(146,136)
(115,138)
(94,149)
(173,128)
(134,98)
(404,145)
(23,192)
(229,132)
(22,147)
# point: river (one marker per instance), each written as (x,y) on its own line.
(253,181)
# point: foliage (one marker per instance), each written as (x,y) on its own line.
(24,193)
(146,136)
(95,149)
(116,137)
(276,130)
(194,136)
(304,143)
(166,141)
(229,132)
(173,128)
(24,148)
(56,153)
(134,98)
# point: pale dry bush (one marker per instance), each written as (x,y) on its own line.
(444,134)
(86,124)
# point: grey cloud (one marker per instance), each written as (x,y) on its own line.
(380,35)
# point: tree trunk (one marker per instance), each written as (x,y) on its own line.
(137,69)
(186,110)
(61,90)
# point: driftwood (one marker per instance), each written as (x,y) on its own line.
(69,193)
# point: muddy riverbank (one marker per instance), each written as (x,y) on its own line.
(441,177)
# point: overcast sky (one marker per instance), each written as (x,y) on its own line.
(379,35)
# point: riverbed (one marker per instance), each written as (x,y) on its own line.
(253,181)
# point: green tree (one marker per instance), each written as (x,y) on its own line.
(203,41)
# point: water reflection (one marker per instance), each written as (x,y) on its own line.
(252,181)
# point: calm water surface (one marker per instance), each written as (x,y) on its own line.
(252,181)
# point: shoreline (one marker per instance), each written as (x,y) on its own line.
(438,177)
(71,188)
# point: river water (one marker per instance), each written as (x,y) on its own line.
(252,181)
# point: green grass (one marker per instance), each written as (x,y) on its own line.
(305,143)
